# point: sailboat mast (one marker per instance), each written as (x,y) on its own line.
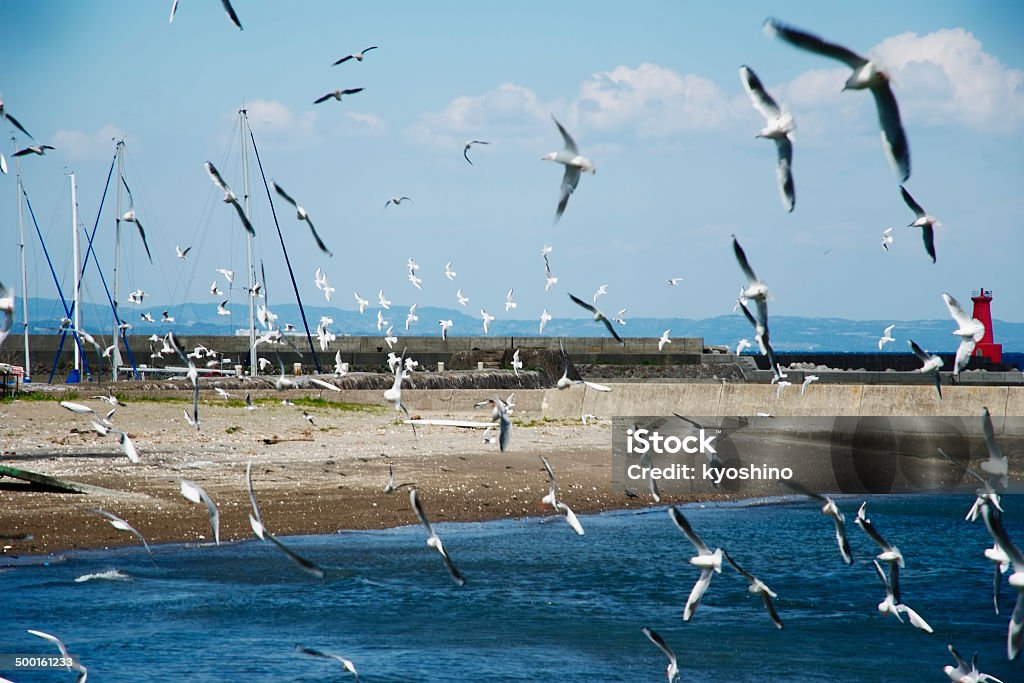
(117,257)
(243,126)
(74,267)
(24,271)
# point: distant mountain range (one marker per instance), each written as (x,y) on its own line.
(788,333)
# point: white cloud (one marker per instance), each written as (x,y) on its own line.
(275,124)
(652,101)
(361,123)
(510,110)
(79,145)
(946,77)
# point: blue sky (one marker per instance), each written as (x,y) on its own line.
(650,92)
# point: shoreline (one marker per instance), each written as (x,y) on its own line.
(317,478)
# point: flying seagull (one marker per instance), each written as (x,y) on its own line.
(932,364)
(1015,632)
(886,337)
(33,149)
(182,253)
(997,465)
(358,56)
(672,672)
(396,201)
(924,221)
(470,143)
(890,553)
(758,587)
(229,197)
(886,238)
(573,162)
(302,215)
(705,559)
(598,316)
(832,510)
(866,75)
(892,605)
(196,494)
(778,126)
(552,499)
(964,672)
(391,484)
(337,94)
(83,672)
(434,541)
(256,522)
(345,663)
(122,525)
(970,330)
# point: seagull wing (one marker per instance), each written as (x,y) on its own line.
(994,451)
(465,153)
(741,258)
(918,351)
(231,13)
(305,564)
(656,638)
(611,329)
(914,206)
(248,483)
(53,639)
(784,172)
(842,540)
(813,43)
(504,431)
(770,606)
(570,144)
(351,91)
(316,237)
(570,180)
(761,100)
(280,190)
(142,234)
(957,312)
(343,60)
(893,137)
(915,618)
(14,122)
(367,49)
(963,355)
(685,527)
(211,170)
(243,217)
(174,8)
(456,575)
(584,304)
(196,494)
(122,525)
(570,517)
(864,523)
(1015,634)
(414,498)
(697,593)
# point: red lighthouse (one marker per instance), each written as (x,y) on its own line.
(982,313)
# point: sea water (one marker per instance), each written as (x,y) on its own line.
(539,603)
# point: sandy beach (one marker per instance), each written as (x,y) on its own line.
(311,479)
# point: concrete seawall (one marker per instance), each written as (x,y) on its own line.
(718,400)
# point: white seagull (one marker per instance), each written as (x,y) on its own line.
(997,465)
(886,238)
(807,382)
(434,541)
(302,215)
(358,56)
(707,560)
(411,316)
(892,605)
(573,162)
(361,302)
(890,553)
(337,94)
(778,126)
(487,318)
(886,337)
(964,672)
(970,330)
(866,75)
(445,326)
(196,494)
(1015,632)
(742,344)
(601,291)
(229,275)
(517,364)
(182,253)
(552,499)
(462,299)
(384,303)
(256,522)
(545,317)
(222,308)
(448,272)
(509,304)
(672,672)
(923,220)
(215,290)
(758,587)
(83,672)
(122,525)
(345,663)
(470,143)
(664,339)
(832,510)
(229,198)
(598,317)
(931,363)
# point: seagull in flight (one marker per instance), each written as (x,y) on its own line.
(488,319)
(830,509)
(302,215)
(674,281)
(601,291)
(970,330)
(448,272)
(358,56)
(778,126)
(229,275)
(384,302)
(923,220)
(229,198)
(574,163)
(470,143)
(552,499)
(886,238)
(545,317)
(122,525)
(866,75)
(598,316)
(886,337)
(664,339)
(361,302)
(890,553)
(182,253)
(807,382)
(993,521)
(196,494)
(892,605)
(758,587)
(256,522)
(396,201)
(672,672)
(345,663)
(131,217)
(932,363)
(14,121)
(337,94)
(550,279)
(83,672)
(33,149)
(517,364)
(434,541)
(964,672)
(411,317)
(462,299)
(707,560)
(997,465)
(509,304)
(445,326)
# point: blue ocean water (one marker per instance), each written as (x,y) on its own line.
(539,603)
